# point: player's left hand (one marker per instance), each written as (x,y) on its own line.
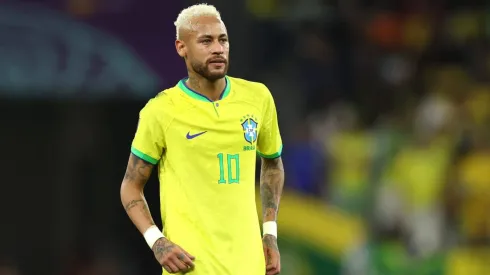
(272,256)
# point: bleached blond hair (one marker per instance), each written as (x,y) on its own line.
(186,15)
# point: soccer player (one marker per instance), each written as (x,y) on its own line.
(204,135)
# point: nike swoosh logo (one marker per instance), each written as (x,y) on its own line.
(189,136)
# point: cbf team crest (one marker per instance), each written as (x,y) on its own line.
(249,125)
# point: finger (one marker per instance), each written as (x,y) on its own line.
(167,268)
(188,255)
(272,272)
(270,267)
(180,264)
(186,259)
(269,257)
(272,263)
(274,267)
(172,267)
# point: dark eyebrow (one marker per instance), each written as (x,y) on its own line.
(207,36)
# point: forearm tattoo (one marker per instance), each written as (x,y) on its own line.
(271,184)
(138,172)
(132,204)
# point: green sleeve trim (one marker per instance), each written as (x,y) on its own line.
(143,156)
(273,156)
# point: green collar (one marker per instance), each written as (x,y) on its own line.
(201,97)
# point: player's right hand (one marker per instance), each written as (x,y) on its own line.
(172,257)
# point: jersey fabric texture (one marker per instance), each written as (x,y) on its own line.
(206,156)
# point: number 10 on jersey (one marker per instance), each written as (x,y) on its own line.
(229,167)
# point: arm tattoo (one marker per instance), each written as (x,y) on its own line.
(137,173)
(271,184)
(143,208)
(138,170)
(132,204)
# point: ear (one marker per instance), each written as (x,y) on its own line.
(181,48)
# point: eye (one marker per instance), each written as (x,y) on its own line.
(206,41)
(223,40)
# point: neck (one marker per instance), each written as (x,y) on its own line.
(210,89)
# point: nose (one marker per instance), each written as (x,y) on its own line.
(217,48)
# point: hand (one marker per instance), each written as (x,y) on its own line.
(172,257)
(272,256)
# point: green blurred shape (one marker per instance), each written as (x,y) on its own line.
(392,258)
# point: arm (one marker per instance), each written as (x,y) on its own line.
(269,148)
(172,257)
(147,149)
(137,174)
(271,185)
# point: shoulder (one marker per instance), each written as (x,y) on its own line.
(162,104)
(251,88)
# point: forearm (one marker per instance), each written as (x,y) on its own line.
(136,207)
(137,174)
(271,185)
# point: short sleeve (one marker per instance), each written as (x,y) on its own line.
(149,140)
(269,141)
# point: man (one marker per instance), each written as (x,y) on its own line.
(204,134)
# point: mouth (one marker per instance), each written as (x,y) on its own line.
(218,61)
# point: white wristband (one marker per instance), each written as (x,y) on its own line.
(152,234)
(270,228)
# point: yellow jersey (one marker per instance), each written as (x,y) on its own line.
(206,155)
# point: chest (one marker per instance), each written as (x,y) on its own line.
(213,127)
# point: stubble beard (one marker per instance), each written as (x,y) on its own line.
(202,70)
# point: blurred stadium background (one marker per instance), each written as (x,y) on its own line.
(384,107)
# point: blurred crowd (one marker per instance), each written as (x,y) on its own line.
(395,118)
